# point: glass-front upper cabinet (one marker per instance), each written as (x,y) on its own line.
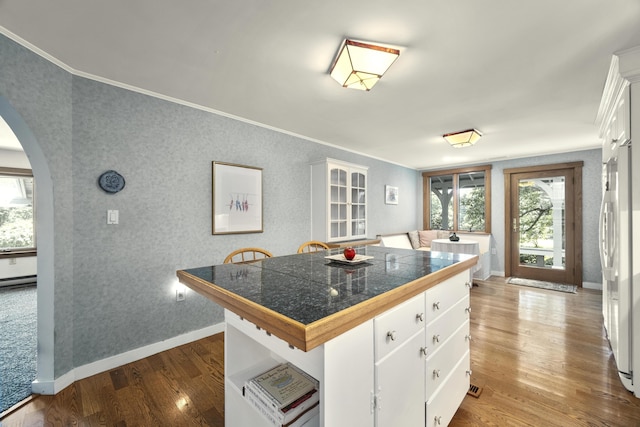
(338,201)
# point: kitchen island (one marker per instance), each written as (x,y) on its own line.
(370,333)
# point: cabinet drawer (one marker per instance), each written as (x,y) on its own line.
(440,364)
(441,329)
(394,327)
(445,402)
(441,297)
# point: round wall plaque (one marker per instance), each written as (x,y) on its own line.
(111,181)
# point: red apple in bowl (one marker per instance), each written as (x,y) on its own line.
(349,253)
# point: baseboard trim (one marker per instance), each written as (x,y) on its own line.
(97,367)
(12,281)
(592,285)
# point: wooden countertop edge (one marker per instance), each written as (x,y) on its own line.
(317,333)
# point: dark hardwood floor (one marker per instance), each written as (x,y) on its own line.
(540,356)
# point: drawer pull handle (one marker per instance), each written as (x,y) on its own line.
(469,372)
(420,317)
(468,310)
(469,337)
(423,350)
(437,420)
(436,373)
(391,335)
(436,338)
(436,305)
(469,284)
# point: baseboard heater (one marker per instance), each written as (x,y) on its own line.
(23,280)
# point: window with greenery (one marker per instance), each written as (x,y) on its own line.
(458,199)
(17,215)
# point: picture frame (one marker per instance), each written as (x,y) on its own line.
(236,198)
(390,195)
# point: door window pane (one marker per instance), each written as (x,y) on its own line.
(541,205)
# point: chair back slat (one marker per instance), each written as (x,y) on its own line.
(312,246)
(245,255)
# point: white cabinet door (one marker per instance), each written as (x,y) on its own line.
(358,200)
(338,201)
(400,399)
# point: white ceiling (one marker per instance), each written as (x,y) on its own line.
(528,74)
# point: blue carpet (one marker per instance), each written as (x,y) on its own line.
(18,341)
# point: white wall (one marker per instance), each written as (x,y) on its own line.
(14,159)
(17,267)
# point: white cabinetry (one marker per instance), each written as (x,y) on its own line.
(340,365)
(616,131)
(422,356)
(618,120)
(338,201)
(400,365)
(408,366)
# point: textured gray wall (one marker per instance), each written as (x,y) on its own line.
(591,197)
(40,93)
(114,284)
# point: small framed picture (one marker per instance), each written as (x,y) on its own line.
(237,198)
(390,195)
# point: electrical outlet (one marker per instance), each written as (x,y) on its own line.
(180,294)
(494,251)
(13,261)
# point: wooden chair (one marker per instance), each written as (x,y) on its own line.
(246,255)
(312,246)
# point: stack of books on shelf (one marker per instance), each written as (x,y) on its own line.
(284,395)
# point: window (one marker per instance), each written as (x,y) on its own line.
(458,199)
(17,214)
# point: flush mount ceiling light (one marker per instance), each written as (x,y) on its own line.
(360,65)
(466,138)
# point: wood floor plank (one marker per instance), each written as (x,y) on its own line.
(541,357)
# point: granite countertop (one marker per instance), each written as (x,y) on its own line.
(302,291)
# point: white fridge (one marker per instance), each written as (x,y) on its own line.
(616,255)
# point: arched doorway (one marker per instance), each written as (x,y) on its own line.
(44,230)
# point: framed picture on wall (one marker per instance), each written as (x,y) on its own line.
(390,195)
(236,198)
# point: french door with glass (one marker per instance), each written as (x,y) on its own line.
(543,213)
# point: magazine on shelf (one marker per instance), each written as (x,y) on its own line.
(283,384)
(282,393)
(295,417)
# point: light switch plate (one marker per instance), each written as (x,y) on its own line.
(113,217)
